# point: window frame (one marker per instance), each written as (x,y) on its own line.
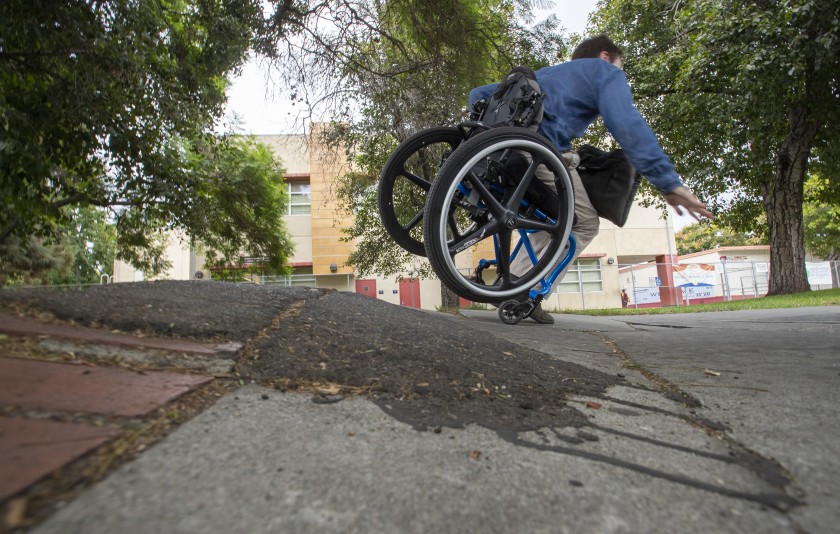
(290,209)
(581,282)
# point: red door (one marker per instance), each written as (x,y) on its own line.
(410,292)
(366,287)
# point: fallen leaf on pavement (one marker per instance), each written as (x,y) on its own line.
(328,389)
(16,512)
(710,372)
(475,454)
(594,405)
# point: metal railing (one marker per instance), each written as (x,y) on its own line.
(288,281)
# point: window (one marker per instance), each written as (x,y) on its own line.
(300,199)
(584,276)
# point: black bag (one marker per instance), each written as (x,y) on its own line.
(517,101)
(610,181)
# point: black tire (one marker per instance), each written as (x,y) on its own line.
(405,182)
(453,222)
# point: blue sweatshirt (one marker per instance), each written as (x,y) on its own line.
(576,92)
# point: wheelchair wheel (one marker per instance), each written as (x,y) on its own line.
(488,189)
(405,182)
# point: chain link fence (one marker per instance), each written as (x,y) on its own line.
(653,285)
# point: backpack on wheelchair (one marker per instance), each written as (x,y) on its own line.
(446,189)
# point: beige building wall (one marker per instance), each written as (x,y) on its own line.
(329,252)
(293,151)
(300,228)
(185,263)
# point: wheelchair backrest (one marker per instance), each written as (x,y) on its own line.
(517,101)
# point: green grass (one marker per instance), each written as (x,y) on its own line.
(825,297)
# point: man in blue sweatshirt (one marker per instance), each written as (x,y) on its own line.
(575,93)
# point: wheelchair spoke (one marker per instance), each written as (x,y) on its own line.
(503,267)
(414,221)
(485,195)
(524,183)
(533,224)
(471,237)
(422,183)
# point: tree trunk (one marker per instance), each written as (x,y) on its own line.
(448,298)
(783,205)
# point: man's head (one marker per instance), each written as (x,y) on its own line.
(602,47)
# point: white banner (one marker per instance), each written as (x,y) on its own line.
(819,274)
(695,274)
(645,295)
(700,292)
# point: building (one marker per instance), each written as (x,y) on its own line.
(319,260)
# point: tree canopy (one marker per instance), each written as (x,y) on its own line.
(743,96)
(81,251)
(112,103)
(390,69)
(709,236)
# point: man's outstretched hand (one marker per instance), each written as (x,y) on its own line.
(683,201)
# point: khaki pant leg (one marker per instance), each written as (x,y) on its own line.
(585,228)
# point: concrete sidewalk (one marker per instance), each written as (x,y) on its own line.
(715,422)
(769,378)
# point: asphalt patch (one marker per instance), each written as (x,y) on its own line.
(187,309)
(421,368)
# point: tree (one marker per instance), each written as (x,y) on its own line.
(391,69)
(231,200)
(708,236)
(80,252)
(91,241)
(109,103)
(743,96)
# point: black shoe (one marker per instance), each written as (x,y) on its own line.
(541,316)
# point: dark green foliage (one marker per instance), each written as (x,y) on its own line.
(110,103)
(79,252)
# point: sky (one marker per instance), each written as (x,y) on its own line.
(262,112)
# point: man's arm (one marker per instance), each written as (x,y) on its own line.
(634,135)
(631,130)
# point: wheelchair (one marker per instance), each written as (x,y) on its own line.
(452,194)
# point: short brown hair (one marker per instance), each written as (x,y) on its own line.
(592,48)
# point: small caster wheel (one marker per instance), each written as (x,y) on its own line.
(511,311)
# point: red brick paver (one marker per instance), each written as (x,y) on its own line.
(25,326)
(40,385)
(31,449)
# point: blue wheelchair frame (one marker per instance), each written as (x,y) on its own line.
(534,295)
